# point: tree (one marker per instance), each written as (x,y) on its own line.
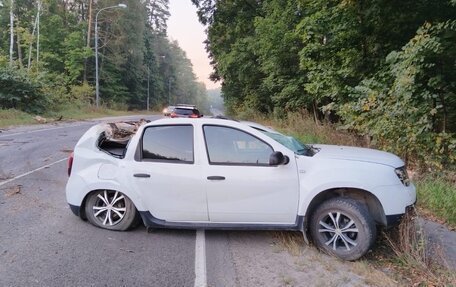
(158,14)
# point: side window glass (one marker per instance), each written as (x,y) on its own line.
(168,144)
(231,146)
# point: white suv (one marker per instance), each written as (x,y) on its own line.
(223,174)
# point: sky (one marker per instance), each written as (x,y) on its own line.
(183,26)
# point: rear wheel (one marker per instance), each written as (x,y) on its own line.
(343,227)
(110,209)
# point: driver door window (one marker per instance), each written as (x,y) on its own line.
(229,146)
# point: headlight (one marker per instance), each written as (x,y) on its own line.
(401,173)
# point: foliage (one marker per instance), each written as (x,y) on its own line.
(412,99)
(81,95)
(133,53)
(75,53)
(18,91)
(361,64)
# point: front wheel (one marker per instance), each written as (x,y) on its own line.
(110,209)
(343,227)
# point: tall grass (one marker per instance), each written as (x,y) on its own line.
(438,195)
(420,263)
(303,127)
(14,117)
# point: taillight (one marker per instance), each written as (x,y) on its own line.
(194,116)
(70,163)
(173,115)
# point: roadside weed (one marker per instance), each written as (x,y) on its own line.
(439,196)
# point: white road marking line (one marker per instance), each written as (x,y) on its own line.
(32,171)
(40,130)
(200,260)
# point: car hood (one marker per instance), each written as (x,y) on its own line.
(358,154)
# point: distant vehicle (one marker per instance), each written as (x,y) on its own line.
(168,110)
(235,175)
(185,111)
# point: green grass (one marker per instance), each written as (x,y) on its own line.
(12,117)
(438,195)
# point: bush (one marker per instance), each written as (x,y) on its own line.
(82,95)
(19,91)
(409,107)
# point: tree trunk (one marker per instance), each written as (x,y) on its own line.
(89,29)
(18,43)
(38,34)
(31,43)
(11,34)
(314,106)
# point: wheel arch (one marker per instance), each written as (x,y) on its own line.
(371,202)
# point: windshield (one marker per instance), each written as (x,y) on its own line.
(290,142)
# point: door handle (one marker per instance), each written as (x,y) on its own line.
(216,177)
(142,175)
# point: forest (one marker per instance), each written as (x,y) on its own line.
(47,56)
(382,69)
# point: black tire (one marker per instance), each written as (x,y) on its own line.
(110,209)
(343,227)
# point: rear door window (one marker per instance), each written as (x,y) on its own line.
(173,144)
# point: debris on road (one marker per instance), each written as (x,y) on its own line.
(40,120)
(14,190)
(5,177)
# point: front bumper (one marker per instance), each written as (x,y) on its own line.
(395,198)
(395,219)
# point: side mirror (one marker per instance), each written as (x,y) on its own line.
(277,158)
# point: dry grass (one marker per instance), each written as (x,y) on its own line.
(302,126)
(292,242)
(371,275)
(409,244)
